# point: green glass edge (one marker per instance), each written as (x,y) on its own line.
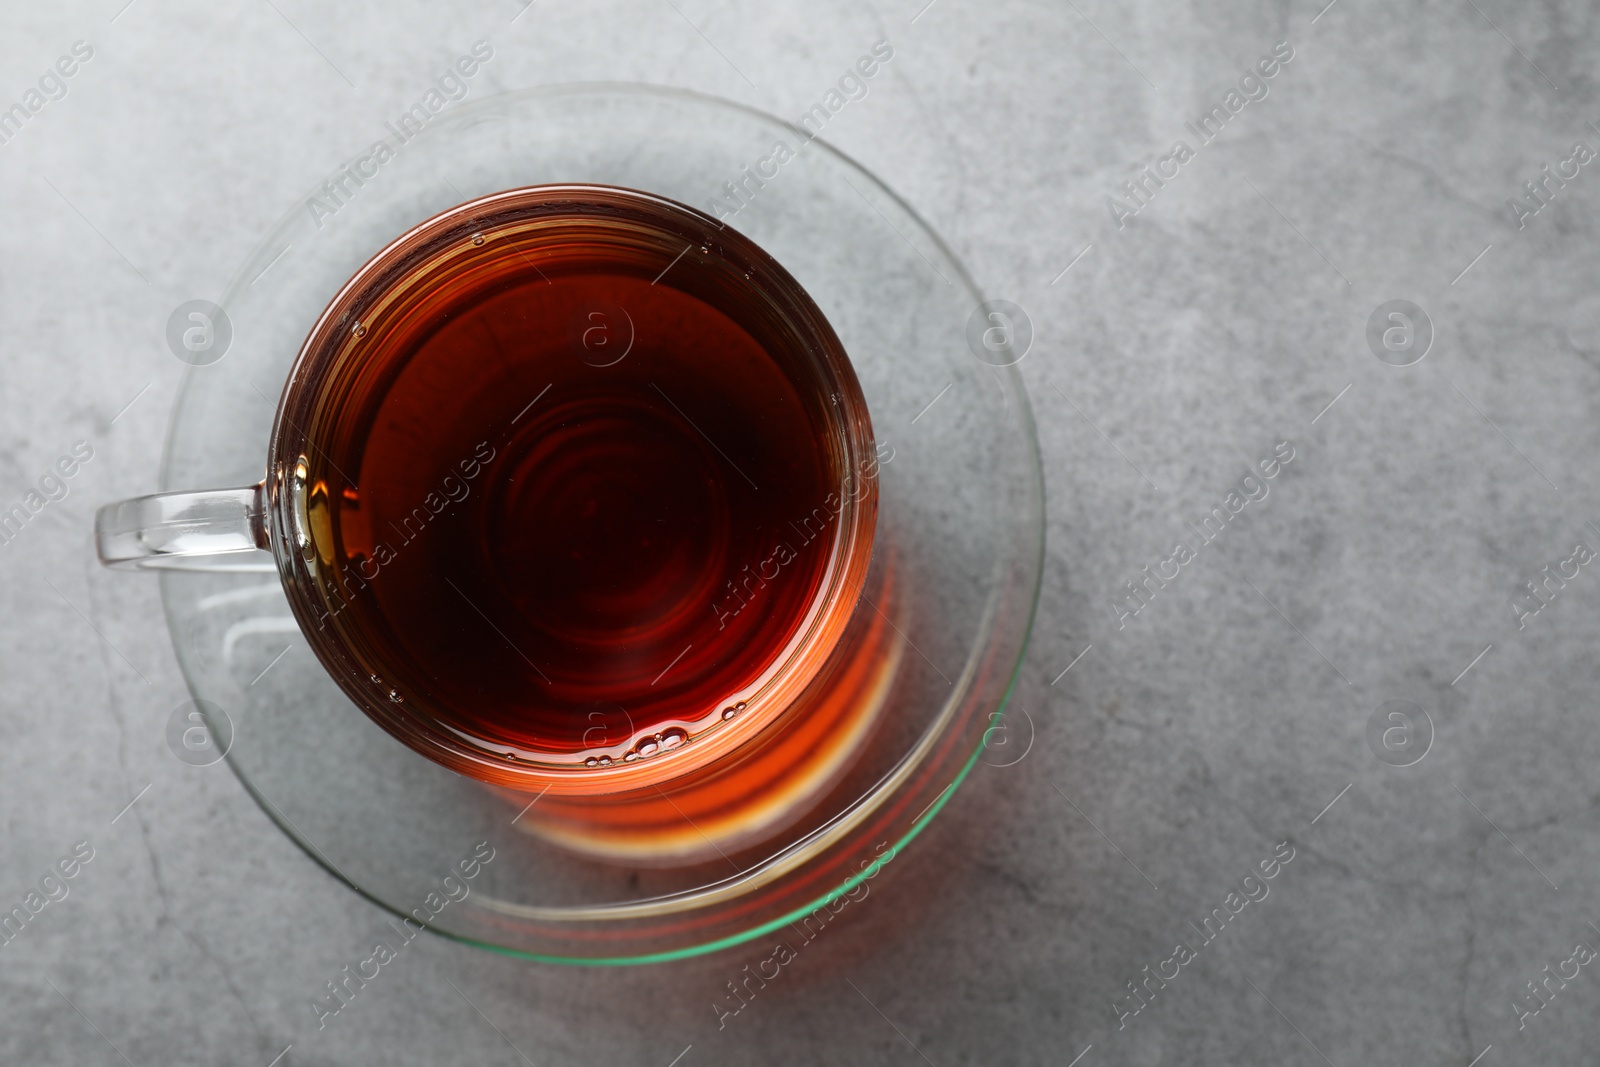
(766,927)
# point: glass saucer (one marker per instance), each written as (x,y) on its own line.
(961,513)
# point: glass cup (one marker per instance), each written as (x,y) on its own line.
(334,398)
(723,852)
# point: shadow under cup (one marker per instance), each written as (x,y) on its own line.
(575,492)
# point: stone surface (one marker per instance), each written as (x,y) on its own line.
(1183,346)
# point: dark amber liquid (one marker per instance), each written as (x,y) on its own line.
(576,492)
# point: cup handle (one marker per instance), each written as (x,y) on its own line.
(214,530)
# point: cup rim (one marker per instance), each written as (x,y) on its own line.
(333,338)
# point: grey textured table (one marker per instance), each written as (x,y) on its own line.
(1187,326)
